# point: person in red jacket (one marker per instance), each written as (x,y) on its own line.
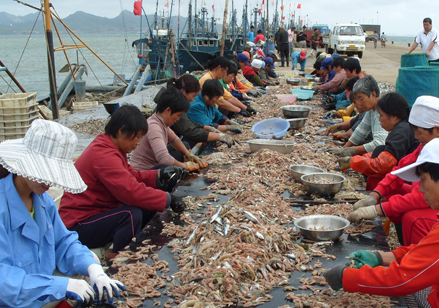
(407,269)
(119,201)
(404,203)
(394,111)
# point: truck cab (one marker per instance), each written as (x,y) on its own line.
(346,39)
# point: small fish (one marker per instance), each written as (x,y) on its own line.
(292,256)
(226,226)
(219,220)
(196,279)
(215,216)
(191,236)
(259,235)
(227,264)
(217,255)
(251,217)
(246,228)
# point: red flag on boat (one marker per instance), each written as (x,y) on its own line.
(167,3)
(299,6)
(137,7)
(213,7)
(283,17)
(263,1)
(260,11)
(282,8)
(301,21)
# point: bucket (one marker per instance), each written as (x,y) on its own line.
(111,107)
(80,90)
(414,59)
(413,82)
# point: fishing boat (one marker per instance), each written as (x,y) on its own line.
(199,44)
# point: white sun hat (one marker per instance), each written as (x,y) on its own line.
(44,155)
(429,154)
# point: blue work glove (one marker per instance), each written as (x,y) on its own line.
(102,283)
(334,277)
(79,290)
(364,257)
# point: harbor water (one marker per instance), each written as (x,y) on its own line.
(27,60)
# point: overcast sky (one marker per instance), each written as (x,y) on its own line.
(396,17)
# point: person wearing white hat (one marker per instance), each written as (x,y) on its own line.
(34,240)
(250,72)
(404,204)
(408,269)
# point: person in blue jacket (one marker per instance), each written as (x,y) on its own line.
(203,109)
(33,239)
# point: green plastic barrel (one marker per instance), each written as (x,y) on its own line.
(414,59)
(413,82)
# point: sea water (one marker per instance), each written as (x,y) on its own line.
(27,59)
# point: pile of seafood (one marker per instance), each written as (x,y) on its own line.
(235,253)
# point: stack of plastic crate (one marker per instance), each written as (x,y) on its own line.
(17,111)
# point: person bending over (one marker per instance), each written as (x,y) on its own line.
(153,151)
(34,240)
(119,201)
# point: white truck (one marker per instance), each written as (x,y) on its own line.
(346,39)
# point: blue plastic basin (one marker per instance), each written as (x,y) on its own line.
(302,94)
(274,128)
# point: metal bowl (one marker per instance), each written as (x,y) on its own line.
(298,170)
(297,123)
(294,111)
(330,183)
(293,81)
(280,146)
(321,227)
(311,88)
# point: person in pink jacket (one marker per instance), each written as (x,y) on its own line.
(404,203)
(408,269)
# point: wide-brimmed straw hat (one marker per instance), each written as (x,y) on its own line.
(44,155)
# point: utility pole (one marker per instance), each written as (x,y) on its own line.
(267,41)
(51,61)
(223,35)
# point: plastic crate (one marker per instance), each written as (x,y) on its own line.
(18,110)
(15,100)
(20,123)
(13,132)
(19,117)
(84,105)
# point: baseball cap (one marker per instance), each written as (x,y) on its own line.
(302,55)
(425,112)
(243,58)
(269,61)
(326,62)
(429,154)
(256,63)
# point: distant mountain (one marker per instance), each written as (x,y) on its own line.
(81,22)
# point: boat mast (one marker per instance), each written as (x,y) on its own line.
(244,19)
(203,29)
(268,33)
(223,35)
(51,61)
(190,24)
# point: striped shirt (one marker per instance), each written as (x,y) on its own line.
(370,123)
(153,147)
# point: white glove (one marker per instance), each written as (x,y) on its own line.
(368,212)
(369,200)
(233,122)
(102,283)
(79,290)
(213,130)
(226,139)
